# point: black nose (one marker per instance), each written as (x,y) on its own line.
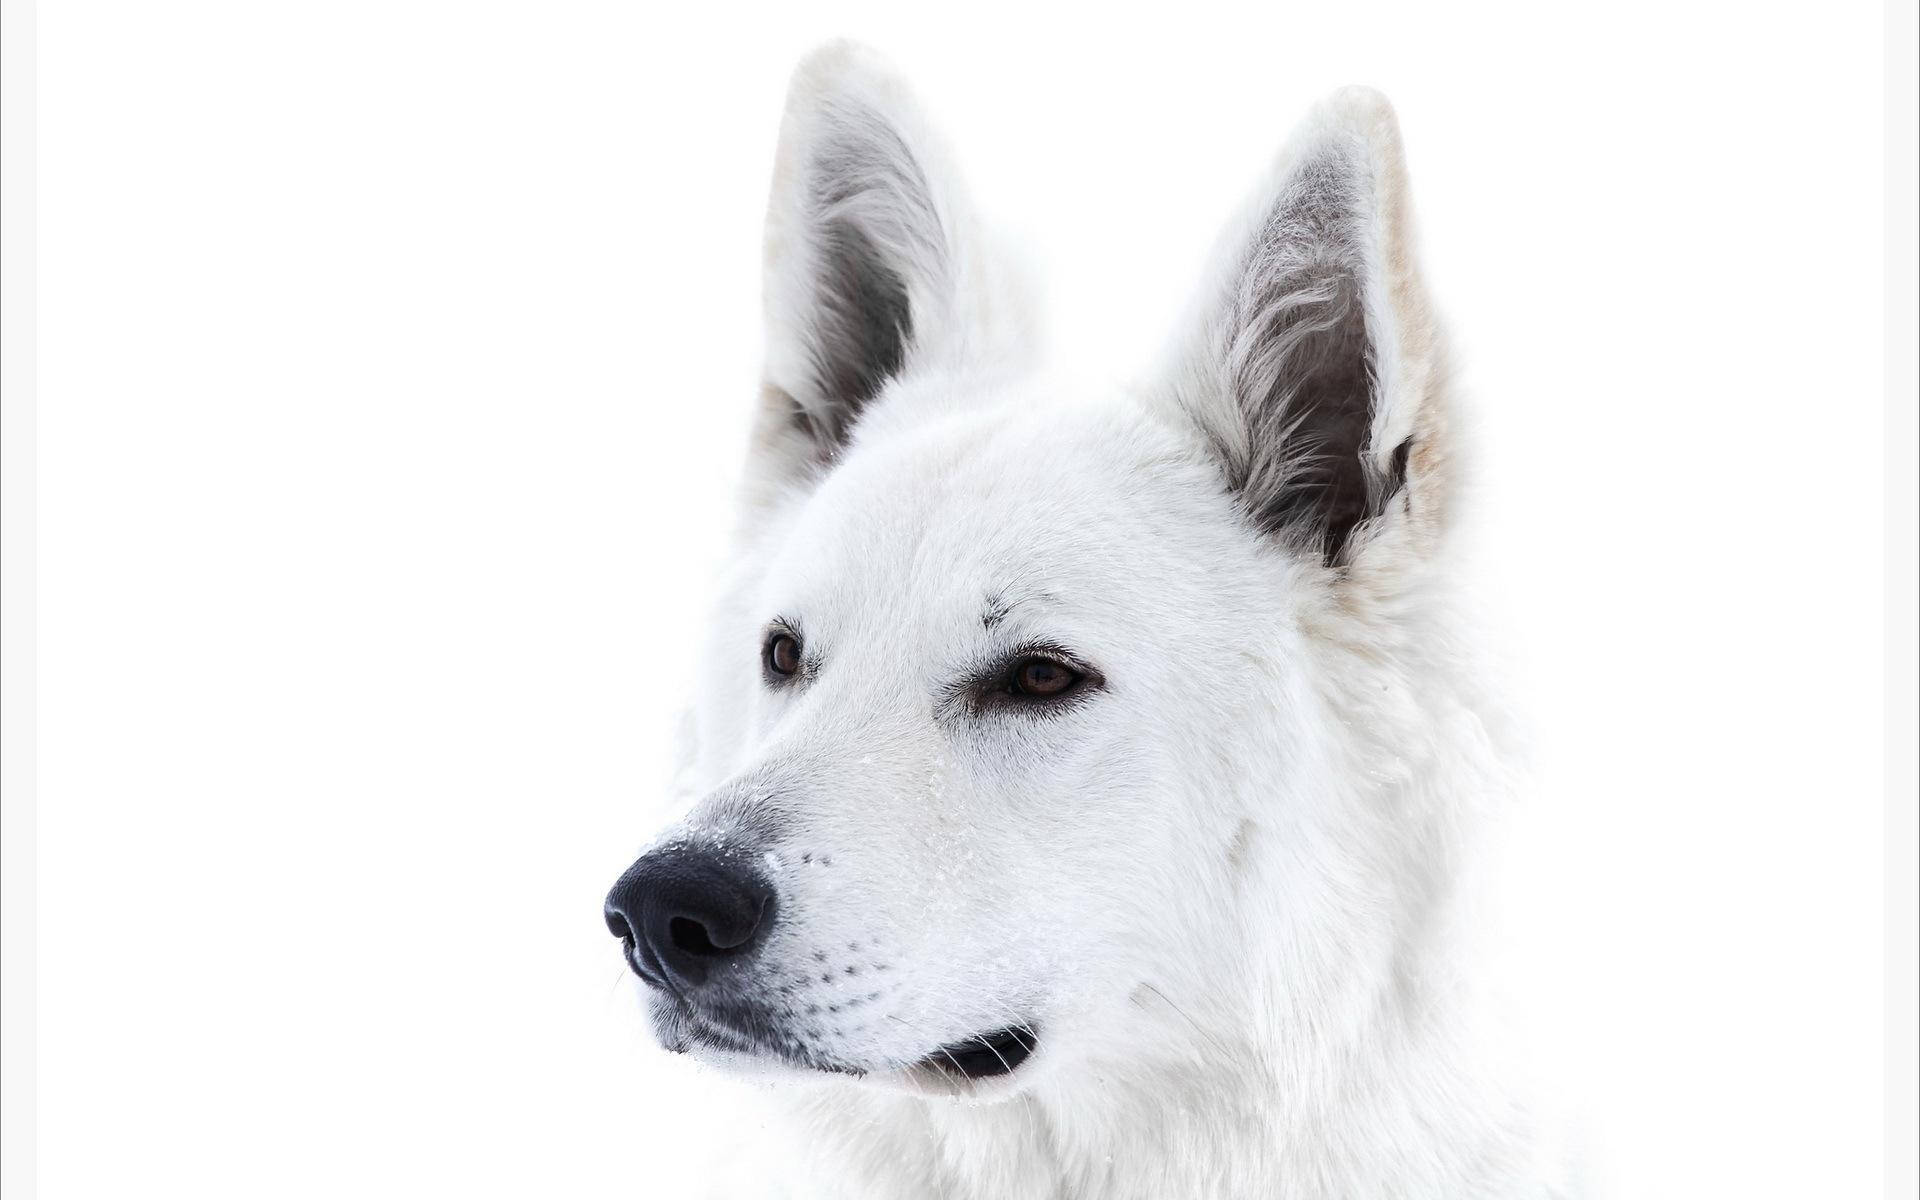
(684,910)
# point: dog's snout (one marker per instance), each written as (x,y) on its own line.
(684,910)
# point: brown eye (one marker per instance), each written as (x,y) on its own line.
(1043,677)
(783,654)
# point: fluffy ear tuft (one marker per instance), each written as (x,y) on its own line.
(866,255)
(1313,372)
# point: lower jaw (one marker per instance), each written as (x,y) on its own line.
(696,1030)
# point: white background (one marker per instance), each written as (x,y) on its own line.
(394,363)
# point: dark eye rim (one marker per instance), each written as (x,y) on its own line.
(999,686)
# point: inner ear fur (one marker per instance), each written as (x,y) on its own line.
(1310,388)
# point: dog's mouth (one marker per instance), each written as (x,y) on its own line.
(985,1055)
(990,1055)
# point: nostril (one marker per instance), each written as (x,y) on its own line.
(691,937)
(619,926)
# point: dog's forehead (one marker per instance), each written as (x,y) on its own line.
(1004,502)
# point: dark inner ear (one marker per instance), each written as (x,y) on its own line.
(864,319)
(1301,368)
(873,221)
(1319,416)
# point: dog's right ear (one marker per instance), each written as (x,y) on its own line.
(871,272)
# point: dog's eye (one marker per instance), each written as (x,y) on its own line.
(783,654)
(1043,678)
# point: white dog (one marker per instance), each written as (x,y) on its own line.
(1087,784)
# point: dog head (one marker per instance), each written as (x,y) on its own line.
(1021,701)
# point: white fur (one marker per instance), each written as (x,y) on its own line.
(1228,889)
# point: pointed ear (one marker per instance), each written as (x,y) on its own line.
(870,274)
(1315,369)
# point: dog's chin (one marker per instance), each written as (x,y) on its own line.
(984,1066)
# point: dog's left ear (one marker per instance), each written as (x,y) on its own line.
(1315,370)
(874,268)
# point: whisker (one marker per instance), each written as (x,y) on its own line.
(1217,1043)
